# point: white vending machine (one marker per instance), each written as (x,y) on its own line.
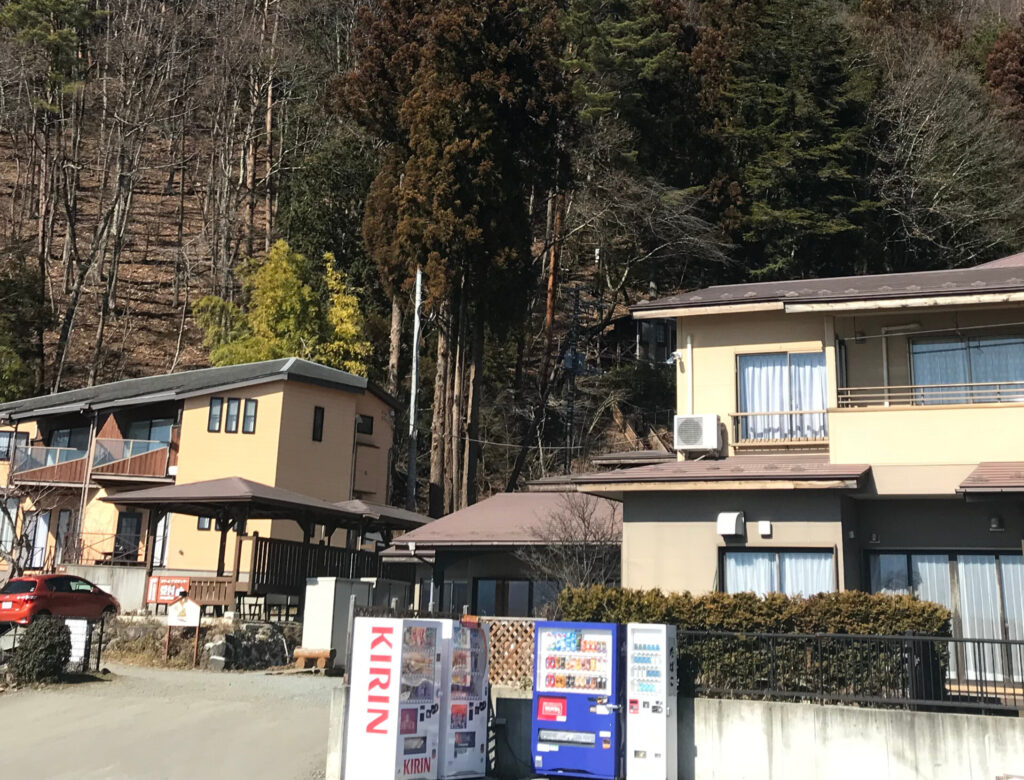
(464,701)
(652,685)
(394,699)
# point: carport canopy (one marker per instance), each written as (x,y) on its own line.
(233,500)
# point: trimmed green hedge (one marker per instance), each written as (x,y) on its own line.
(849,612)
(787,663)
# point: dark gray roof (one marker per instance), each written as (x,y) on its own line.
(167,387)
(738,468)
(1004,275)
(261,501)
(633,458)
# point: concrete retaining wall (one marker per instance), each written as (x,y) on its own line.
(724,739)
(126,583)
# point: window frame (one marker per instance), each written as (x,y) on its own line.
(955,593)
(245,414)
(228,427)
(13,437)
(210,428)
(360,420)
(318,423)
(200,526)
(778,551)
(738,392)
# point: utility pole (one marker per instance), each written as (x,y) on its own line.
(573,366)
(410,496)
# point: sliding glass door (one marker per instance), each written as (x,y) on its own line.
(984,592)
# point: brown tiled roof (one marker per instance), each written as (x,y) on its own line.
(1005,275)
(995,477)
(741,467)
(259,501)
(504,519)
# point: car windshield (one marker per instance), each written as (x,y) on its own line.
(19,586)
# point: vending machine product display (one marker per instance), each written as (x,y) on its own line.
(652,685)
(576,700)
(463,725)
(394,699)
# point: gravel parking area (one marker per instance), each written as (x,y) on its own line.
(154,723)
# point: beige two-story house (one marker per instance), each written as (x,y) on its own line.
(289,424)
(863,432)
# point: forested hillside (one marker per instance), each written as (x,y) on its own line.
(189,181)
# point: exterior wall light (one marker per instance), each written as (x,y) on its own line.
(996,524)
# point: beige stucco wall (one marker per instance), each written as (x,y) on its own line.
(927,434)
(669,540)
(718,340)
(373,451)
(322,469)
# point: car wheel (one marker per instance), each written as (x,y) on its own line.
(40,613)
(109,613)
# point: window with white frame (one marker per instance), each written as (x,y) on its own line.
(790,572)
(782,395)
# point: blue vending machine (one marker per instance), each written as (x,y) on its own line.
(576,700)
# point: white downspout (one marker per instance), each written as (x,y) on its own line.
(689,371)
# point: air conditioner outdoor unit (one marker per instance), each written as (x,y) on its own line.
(696,432)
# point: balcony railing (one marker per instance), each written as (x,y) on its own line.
(932,395)
(48,464)
(130,458)
(780,428)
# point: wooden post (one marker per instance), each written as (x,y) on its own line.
(223,520)
(195,647)
(154,514)
(307,533)
(167,644)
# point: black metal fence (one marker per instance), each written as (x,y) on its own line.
(11,635)
(895,671)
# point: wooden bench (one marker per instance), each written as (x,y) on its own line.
(306,657)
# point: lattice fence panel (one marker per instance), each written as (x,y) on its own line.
(511,651)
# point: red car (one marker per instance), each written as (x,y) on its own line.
(23,598)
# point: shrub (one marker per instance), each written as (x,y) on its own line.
(787,660)
(43,652)
(849,612)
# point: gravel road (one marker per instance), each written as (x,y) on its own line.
(146,724)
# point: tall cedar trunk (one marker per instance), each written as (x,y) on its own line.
(437,422)
(458,399)
(554,250)
(449,420)
(395,345)
(476,370)
(268,190)
(41,249)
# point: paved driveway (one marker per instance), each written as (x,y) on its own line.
(154,723)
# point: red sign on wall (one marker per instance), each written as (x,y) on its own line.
(550,708)
(165,590)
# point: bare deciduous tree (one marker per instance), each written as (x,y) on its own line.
(578,544)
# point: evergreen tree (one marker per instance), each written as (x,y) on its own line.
(795,191)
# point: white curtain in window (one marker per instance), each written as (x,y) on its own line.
(888,572)
(160,541)
(1013,608)
(8,521)
(939,363)
(979,615)
(764,388)
(40,533)
(809,390)
(753,572)
(930,576)
(807,573)
(997,360)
